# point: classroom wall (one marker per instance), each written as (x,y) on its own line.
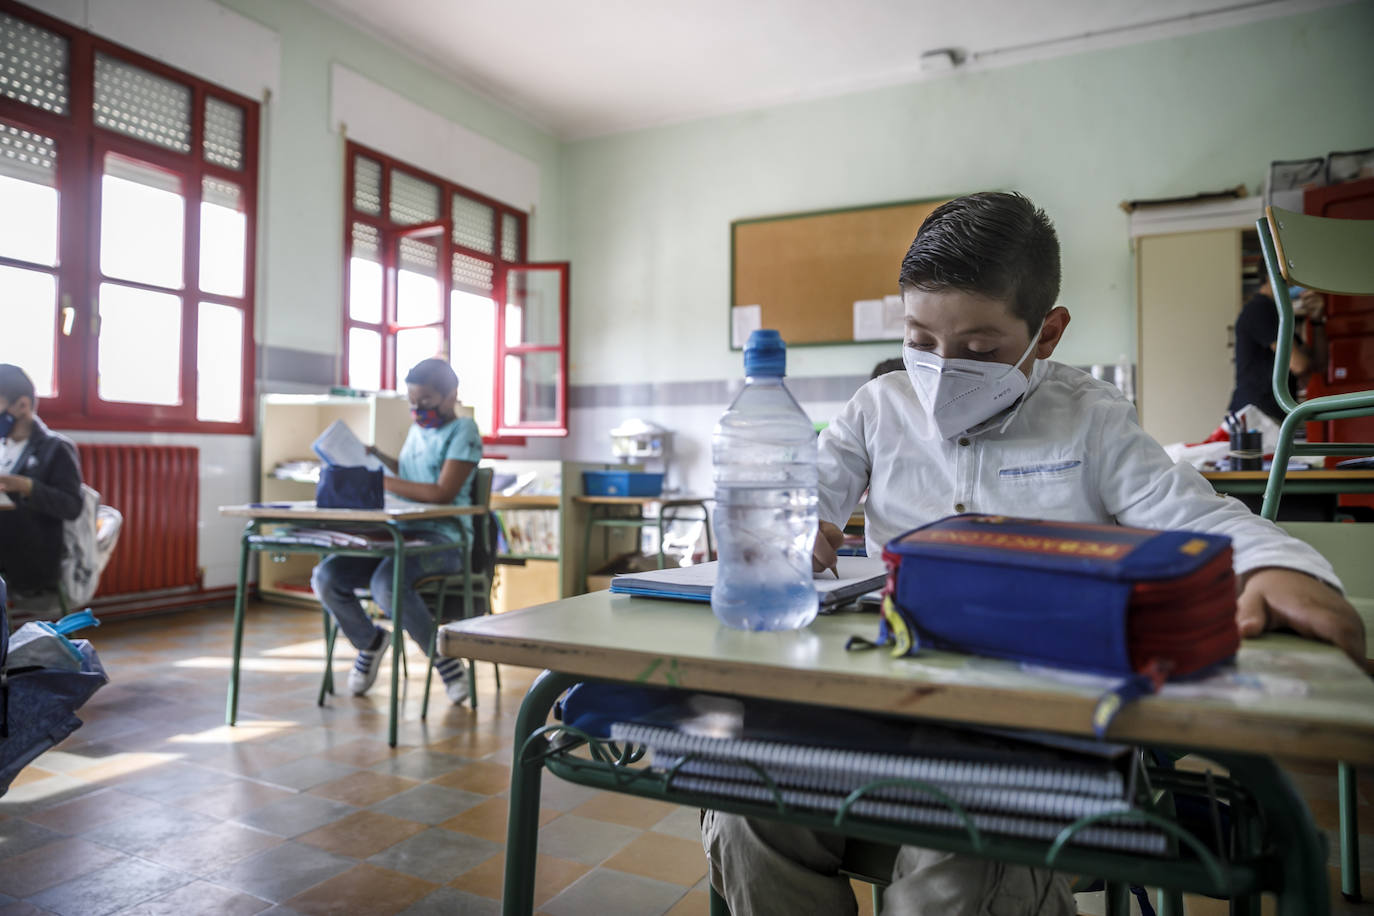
(648,212)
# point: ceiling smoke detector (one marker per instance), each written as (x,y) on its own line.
(942,60)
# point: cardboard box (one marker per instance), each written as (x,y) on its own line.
(524,586)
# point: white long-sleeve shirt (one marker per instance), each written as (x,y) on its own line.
(1073,451)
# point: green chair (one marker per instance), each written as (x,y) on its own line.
(473,584)
(1331,256)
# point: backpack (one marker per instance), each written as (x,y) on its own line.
(86,549)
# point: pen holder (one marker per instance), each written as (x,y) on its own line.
(1247,451)
(349,488)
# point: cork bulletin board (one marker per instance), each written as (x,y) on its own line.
(822,277)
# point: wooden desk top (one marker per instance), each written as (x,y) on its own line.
(681,500)
(1287,695)
(519,501)
(1291,475)
(308,511)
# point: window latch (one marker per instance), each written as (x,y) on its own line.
(68,315)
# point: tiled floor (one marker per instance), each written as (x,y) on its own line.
(155,807)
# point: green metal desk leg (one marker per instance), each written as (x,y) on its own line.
(327,682)
(706,520)
(718,905)
(231,711)
(1350,833)
(522,828)
(1305,891)
(397,567)
(582,563)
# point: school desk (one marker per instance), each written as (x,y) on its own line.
(308,515)
(1287,694)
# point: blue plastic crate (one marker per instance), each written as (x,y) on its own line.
(622,483)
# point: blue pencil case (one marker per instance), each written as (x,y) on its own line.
(349,488)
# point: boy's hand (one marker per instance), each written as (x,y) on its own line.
(16,483)
(1274,597)
(828,540)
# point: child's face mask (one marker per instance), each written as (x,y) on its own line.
(961,393)
(427,417)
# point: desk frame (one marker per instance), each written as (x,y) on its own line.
(599,507)
(388,519)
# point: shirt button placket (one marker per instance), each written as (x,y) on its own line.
(964,487)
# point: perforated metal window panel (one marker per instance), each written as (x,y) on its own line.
(473,224)
(223,133)
(33,65)
(27,156)
(510,238)
(221,193)
(420,256)
(472,274)
(413,200)
(132,101)
(367,242)
(367,185)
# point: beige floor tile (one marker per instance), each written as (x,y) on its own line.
(625,809)
(473,745)
(30,774)
(364,752)
(551,876)
(481,777)
(363,788)
(362,889)
(694,903)
(361,834)
(86,812)
(235,799)
(488,820)
(62,860)
(661,857)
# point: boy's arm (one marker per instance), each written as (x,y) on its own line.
(391,464)
(1283,581)
(58,494)
(452,476)
(842,475)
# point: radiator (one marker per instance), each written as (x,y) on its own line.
(157,489)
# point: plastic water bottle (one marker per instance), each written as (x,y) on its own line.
(764,451)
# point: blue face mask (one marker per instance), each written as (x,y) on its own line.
(7,421)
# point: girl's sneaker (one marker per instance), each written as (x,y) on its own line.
(368,663)
(455,674)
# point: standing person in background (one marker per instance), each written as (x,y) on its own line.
(1257,336)
(40,488)
(436,463)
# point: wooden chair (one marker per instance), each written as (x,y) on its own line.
(1330,256)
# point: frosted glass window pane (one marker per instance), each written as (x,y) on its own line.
(510,238)
(364,359)
(142,223)
(140,346)
(223,144)
(365,290)
(223,238)
(473,274)
(28,325)
(472,333)
(367,185)
(413,200)
(473,226)
(413,345)
(219,363)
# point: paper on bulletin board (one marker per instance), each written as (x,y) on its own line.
(744,320)
(878,319)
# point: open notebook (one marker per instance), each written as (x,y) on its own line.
(857,575)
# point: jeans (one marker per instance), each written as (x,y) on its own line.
(335,580)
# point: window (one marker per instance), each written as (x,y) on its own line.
(433,269)
(127,195)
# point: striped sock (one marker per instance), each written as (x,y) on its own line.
(451,669)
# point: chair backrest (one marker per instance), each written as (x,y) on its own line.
(481,486)
(483,526)
(1316,252)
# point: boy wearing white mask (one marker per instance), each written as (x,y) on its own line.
(982,421)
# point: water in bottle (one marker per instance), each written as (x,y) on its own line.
(764,452)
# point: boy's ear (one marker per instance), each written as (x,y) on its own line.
(1053,332)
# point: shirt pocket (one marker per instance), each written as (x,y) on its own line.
(1041,472)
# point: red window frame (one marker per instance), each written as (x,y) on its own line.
(81,149)
(389,231)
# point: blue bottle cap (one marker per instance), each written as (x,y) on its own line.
(765,354)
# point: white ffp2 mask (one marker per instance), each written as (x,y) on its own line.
(961,393)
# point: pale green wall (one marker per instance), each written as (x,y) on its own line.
(648,213)
(303,216)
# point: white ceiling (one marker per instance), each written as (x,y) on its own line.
(582,68)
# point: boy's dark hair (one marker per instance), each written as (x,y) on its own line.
(434,373)
(15,384)
(894,364)
(994,244)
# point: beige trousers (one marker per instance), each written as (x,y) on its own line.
(768,868)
